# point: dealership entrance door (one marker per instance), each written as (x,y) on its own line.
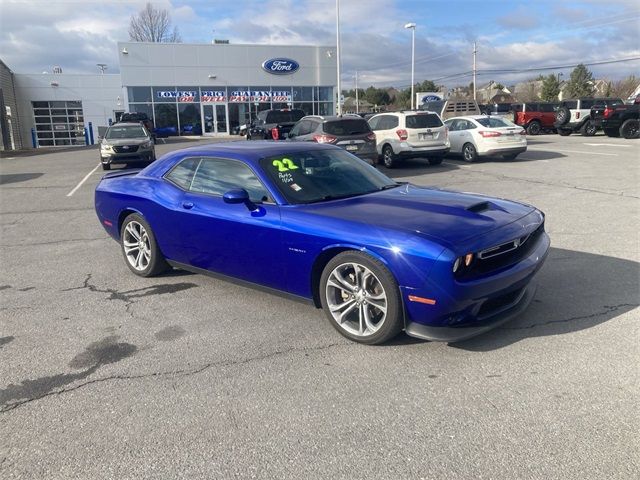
(215,119)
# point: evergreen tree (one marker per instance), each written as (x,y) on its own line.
(550,88)
(580,83)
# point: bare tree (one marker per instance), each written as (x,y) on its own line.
(624,88)
(152,25)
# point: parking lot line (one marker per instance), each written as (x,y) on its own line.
(576,151)
(75,189)
(607,145)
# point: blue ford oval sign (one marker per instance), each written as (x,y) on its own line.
(280,66)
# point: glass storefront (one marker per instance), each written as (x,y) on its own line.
(59,123)
(192,110)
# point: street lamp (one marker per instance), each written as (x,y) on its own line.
(412,26)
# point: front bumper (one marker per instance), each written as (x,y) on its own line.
(117,158)
(464,308)
(458,334)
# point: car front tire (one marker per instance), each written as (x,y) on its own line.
(139,247)
(361,298)
(588,129)
(630,129)
(534,128)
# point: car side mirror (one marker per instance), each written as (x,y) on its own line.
(239,195)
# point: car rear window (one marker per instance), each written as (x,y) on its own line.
(284,117)
(347,127)
(425,120)
(493,122)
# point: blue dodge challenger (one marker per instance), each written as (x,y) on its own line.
(313,221)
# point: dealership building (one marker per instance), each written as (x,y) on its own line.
(186,89)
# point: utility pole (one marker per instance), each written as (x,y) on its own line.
(475,50)
(357,103)
(339,109)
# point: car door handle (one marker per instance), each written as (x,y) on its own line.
(187,205)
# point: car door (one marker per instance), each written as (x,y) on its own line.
(229,238)
(454,135)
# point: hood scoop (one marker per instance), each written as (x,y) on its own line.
(479,207)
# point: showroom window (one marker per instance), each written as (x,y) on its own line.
(59,123)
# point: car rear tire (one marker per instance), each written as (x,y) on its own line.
(435,160)
(469,152)
(388,157)
(563,115)
(564,132)
(589,129)
(630,129)
(611,132)
(106,166)
(139,247)
(361,298)
(534,128)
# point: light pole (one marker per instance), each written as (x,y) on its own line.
(339,109)
(412,26)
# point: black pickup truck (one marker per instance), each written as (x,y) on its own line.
(622,121)
(273,124)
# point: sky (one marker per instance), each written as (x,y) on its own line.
(511,35)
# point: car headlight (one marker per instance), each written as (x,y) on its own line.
(147,144)
(106,148)
(464,262)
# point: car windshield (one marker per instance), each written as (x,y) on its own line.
(352,126)
(423,120)
(284,116)
(433,106)
(132,131)
(319,175)
(494,122)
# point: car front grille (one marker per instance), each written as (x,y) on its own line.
(501,256)
(126,149)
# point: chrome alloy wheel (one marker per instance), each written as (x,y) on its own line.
(137,246)
(356,299)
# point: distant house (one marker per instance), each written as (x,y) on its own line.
(490,94)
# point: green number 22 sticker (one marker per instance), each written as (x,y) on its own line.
(284,165)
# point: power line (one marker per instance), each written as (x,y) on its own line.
(533,69)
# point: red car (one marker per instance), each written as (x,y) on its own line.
(535,117)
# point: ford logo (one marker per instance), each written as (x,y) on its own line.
(431,98)
(280,66)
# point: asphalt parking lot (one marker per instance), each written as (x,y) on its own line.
(107,375)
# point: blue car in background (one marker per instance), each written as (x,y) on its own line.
(315,222)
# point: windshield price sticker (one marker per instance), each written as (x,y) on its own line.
(284,165)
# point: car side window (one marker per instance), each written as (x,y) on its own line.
(216,176)
(306,127)
(586,104)
(452,125)
(373,123)
(295,131)
(393,121)
(182,173)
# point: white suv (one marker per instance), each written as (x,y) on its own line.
(410,134)
(574,115)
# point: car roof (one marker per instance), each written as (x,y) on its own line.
(474,117)
(126,124)
(248,151)
(332,118)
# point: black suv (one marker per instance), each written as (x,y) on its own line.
(273,124)
(349,132)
